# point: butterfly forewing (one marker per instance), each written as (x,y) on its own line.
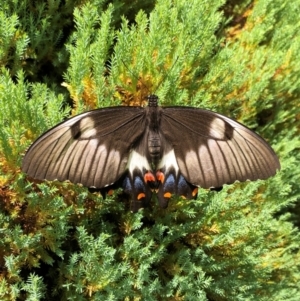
(91,148)
(212,150)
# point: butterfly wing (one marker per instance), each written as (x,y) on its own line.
(212,150)
(91,148)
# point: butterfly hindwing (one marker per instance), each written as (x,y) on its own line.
(91,148)
(212,150)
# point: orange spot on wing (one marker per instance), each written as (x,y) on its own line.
(160,176)
(140,196)
(110,192)
(167,195)
(195,191)
(149,177)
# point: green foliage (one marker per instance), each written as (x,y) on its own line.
(239,58)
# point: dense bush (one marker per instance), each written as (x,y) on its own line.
(59,58)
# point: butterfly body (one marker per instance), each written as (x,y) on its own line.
(166,150)
(152,165)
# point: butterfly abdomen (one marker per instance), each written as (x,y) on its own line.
(155,147)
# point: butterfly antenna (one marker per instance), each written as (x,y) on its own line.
(143,83)
(166,75)
(136,77)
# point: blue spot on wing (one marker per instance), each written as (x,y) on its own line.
(139,184)
(126,184)
(170,183)
(182,183)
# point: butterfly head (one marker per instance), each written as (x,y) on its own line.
(152,100)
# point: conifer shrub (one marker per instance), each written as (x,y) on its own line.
(60,58)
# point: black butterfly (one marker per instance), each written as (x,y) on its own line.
(170,150)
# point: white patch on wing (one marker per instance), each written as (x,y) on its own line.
(138,161)
(87,128)
(217,128)
(168,161)
(94,143)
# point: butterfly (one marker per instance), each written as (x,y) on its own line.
(166,150)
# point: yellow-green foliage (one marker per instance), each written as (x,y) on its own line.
(59,58)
